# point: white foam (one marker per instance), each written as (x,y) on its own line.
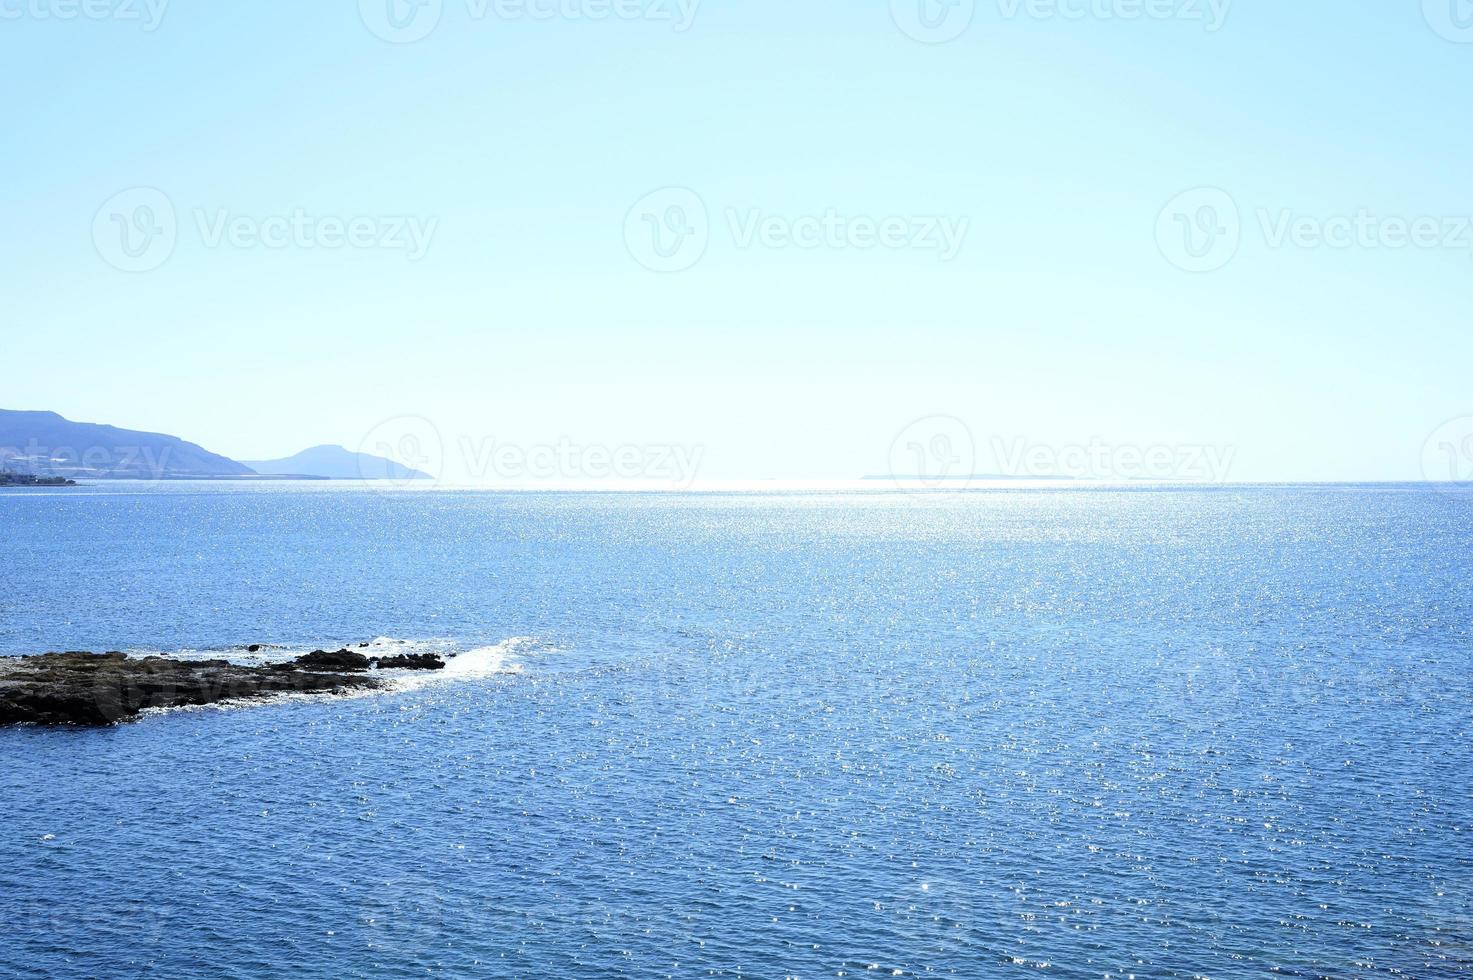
(478,663)
(485,661)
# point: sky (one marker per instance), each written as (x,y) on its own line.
(775,240)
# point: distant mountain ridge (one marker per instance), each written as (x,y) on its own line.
(45,444)
(336,463)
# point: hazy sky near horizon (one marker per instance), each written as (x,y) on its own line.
(793,235)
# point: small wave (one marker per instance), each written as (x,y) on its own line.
(501,658)
(477,663)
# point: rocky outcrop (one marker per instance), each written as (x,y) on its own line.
(106,688)
(320,660)
(8,479)
(351,662)
(411,661)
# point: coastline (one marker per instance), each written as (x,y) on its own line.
(28,480)
(85,689)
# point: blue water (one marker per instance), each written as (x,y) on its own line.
(1059,733)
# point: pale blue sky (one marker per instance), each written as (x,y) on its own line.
(524,143)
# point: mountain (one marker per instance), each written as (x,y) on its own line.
(337,463)
(45,444)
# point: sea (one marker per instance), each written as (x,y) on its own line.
(1092,732)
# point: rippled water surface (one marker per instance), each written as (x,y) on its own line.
(1059,733)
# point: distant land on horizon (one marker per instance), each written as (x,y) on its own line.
(44,444)
(960,478)
(336,463)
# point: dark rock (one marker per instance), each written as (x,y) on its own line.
(102,689)
(411,661)
(8,479)
(254,648)
(344,660)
